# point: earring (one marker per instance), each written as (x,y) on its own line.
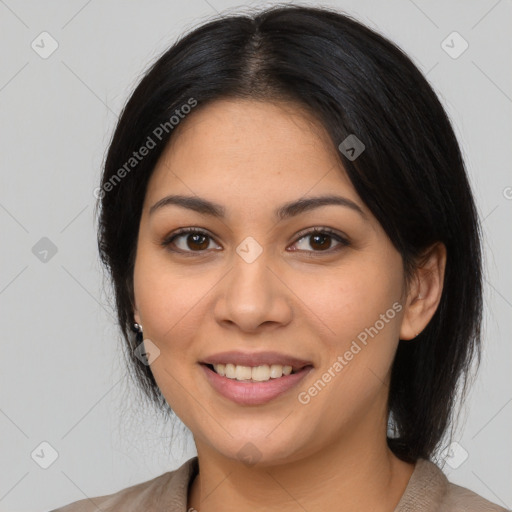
(137,329)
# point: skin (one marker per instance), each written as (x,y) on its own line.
(251,157)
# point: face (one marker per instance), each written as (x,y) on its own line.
(318,286)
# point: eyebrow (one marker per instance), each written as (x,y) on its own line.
(285,211)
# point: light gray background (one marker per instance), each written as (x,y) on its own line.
(62,375)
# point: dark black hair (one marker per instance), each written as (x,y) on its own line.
(411,175)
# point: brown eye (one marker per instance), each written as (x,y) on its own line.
(191,240)
(197,241)
(188,240)
(321,240)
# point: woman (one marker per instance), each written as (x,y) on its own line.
(291,236)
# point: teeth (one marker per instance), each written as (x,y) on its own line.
(256,373)
(243,372)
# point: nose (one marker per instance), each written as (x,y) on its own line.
(253,296)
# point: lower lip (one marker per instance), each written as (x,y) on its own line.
(253,393)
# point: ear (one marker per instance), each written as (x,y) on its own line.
(130,291)
(425,290)
(136,315)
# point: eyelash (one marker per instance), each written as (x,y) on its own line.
(196,231)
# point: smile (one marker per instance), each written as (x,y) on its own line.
(256,380)
(255,373)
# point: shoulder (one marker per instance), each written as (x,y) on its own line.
(167,491)
(460,499)
(429,490)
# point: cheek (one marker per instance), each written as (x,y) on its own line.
(170,303)
(359,311)
(171,310)
(352,298)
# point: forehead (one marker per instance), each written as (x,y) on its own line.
(252,148)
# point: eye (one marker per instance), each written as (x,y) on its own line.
(190,240)
(194,240)
(321,240)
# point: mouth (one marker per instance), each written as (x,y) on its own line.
(254,379)
(261,373)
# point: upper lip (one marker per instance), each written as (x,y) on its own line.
(256,359)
